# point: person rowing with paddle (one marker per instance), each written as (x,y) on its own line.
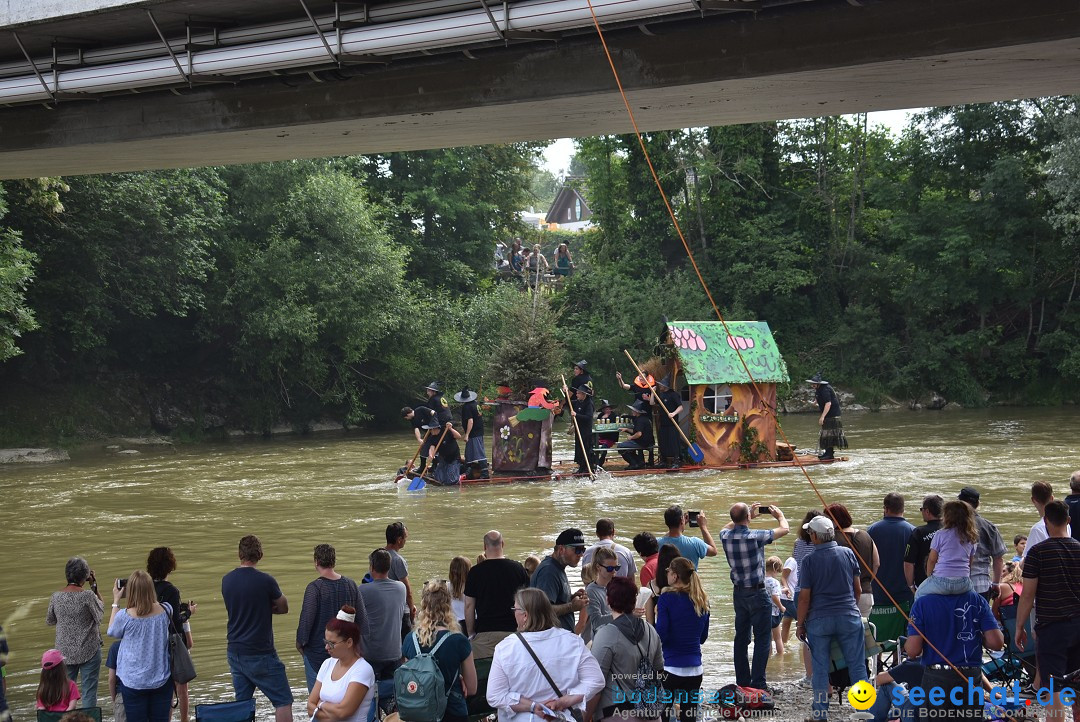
(666,432)
(447,461)
(420,418)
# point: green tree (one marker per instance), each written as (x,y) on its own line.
(16,273)
(307,304)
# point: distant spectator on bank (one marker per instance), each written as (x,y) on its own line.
(160,563)
(918,546)
(323,598)
(1019,542)
(517,684)
(564,262)
(988,564)
(648,549)
(1073,502)
(383,599)
(689,547)
(251,598)
(1052,585)
(865,550)
(55,692)
(891,534)
(550,577)
(745,551)
(143,660)
(489,596)
(76,613)
(396,536)
(682,622)
(828,611)
(605,532)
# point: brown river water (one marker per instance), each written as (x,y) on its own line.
(298,492)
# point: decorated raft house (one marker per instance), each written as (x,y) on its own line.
(732,420)
(730,416)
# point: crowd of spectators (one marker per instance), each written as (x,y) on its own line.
(552,650)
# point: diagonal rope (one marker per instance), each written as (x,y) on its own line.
(742,360)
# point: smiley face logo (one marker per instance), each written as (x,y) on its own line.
(862,695)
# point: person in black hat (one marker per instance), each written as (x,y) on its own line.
(550,577)
(832,431)
(476,462)
(437,403)
(641,437)
(583,410)
(420,418)
(608,439)
(581,377)
(668,437)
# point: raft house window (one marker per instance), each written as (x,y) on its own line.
(716,398)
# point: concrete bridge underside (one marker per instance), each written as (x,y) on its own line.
(820,58)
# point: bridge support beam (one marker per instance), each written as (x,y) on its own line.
(819,58)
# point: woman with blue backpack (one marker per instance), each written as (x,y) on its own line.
(437,652)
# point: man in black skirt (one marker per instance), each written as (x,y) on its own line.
(832,431)
(667,436)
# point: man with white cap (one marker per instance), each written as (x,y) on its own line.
(829,590)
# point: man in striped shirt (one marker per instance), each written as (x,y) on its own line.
(1052,584)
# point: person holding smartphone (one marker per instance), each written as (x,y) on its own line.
(690,547)
(76,613)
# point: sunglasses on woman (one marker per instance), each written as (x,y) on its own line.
(611,569)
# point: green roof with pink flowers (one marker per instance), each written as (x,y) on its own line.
(707,355)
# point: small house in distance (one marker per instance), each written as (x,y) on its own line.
(569,211)
(720,402)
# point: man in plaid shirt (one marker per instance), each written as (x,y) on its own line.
(745,551)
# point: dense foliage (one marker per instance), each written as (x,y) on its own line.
(946,259)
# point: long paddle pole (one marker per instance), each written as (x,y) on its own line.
(695,451)
(408,467)
(435,452)
(577,430)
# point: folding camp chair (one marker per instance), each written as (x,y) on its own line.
(479,708)
(838,676)
(890,624)
(240,711)
(1013,664)
(92,712)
